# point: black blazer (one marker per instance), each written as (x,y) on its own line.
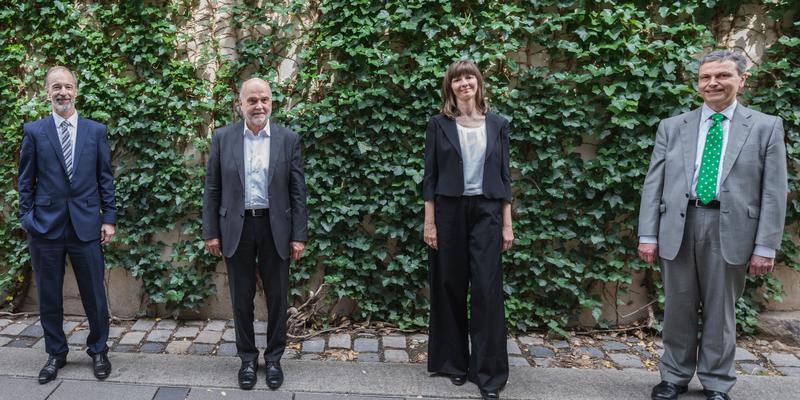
(444,170)
(223,198)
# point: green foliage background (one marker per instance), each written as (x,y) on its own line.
(604,73)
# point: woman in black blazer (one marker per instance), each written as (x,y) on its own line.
(467,192)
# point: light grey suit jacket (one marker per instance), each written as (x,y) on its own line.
(753,185)
(223,198)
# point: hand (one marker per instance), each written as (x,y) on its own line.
(648,252)
(429,236)
(213,247)
(107,232)
(297,249)
(761,265)
(508,237)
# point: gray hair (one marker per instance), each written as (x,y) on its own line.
(727,55)
(59,68)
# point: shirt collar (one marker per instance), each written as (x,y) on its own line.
(73,119)
(265,131)
(728,112)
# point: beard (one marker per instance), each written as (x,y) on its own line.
(62,107)
(258,120)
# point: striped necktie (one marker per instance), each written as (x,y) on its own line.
(66,146)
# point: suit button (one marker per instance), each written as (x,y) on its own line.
(683,215)
(687,195)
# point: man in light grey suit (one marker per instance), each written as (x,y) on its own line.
(254,214)
(713,205)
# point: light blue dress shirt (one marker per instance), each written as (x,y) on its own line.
(256,168)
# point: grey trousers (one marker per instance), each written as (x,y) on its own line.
(699,278)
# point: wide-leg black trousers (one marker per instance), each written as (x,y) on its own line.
(256,253)
(469,236)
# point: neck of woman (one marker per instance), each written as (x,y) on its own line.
(467,108)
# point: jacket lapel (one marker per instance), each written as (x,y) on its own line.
(737,136)
(237,143)
(276,138)
(451,133)
(689,131)
(492,131)
(52,135)
(80,138)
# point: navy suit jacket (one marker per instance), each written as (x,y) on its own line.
(444,169)
(46,195)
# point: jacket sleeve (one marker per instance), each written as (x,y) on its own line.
(774,190)
(297,194)
(649,208)
(105,179)
(505,170)
(211,192)
(431,174)
(26,184)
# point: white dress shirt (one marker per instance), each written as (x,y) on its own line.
(73,129)
(473,154)
(256,168)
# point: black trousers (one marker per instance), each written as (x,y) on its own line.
(48,258)
(469,236)
(257,254)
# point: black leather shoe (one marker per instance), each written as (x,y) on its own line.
(101,366)
(713,395)
(490,394)
(247,374)
(274,374)
(50,369)
(458,380)
(667,391)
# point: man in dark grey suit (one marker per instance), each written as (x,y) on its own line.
(254,214)
(713,204)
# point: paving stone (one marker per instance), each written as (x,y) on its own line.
(209,337)
(339,341)
(228,350)
(236,394)
(230,323)
(194,323)
(71,390)
(116,331)
(518,362)
(40,344)
(395,356)
(261,340)
(366,335)
(592,351)
(159,335)
(315,396)
(132,338)
(78,337)
(633,340)
(201,349)
(4,340)
(626,360)
(612,345)
(290,354)
(21,342)
(790,371)
(744,355)
(643,352)
(152,348)
(561,344)
(313,345)
(124,348)
(14,329)
(168,324)
(171,393)
(216,325)
(229,335)
(68,326)
(187,332)
(368,357)
(143,325)
(34,331)
(178,346)
(752,368)
(544,362)
(260,327)
(783,359)
(512,347)
(541,352)
(531,340)
(4,322)
(394,342)
(366,345)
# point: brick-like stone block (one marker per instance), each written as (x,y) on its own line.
(366,345)
(178,346)
(13,329)
(783,359)
(216,325)
(394,342)
(78,338)
(187,332)
(339,341)
(316,345)
(143,325)
(395,356)
(132,338)
(626,360)
(167,324)
(209,337)
(518,362)
(159,335)
(744,355)
(512,347)
(229,335)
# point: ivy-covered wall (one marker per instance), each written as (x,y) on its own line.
(358,80)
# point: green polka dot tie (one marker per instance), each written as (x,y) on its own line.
(709,166)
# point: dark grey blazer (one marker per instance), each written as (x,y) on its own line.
(444,170)
(223,198)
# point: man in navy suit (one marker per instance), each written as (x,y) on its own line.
(66,206)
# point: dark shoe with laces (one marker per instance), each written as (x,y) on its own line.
(274,374)
(247,374)
(50,369)
(458,380)
(667,391)
(714,395)
(490,394)
(101,366)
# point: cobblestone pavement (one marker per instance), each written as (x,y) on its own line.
(216,338)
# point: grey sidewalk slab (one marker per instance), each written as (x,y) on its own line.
(71,390)
(234,394)
(25,388)
(369,379)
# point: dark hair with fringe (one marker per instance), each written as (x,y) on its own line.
(455,70)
